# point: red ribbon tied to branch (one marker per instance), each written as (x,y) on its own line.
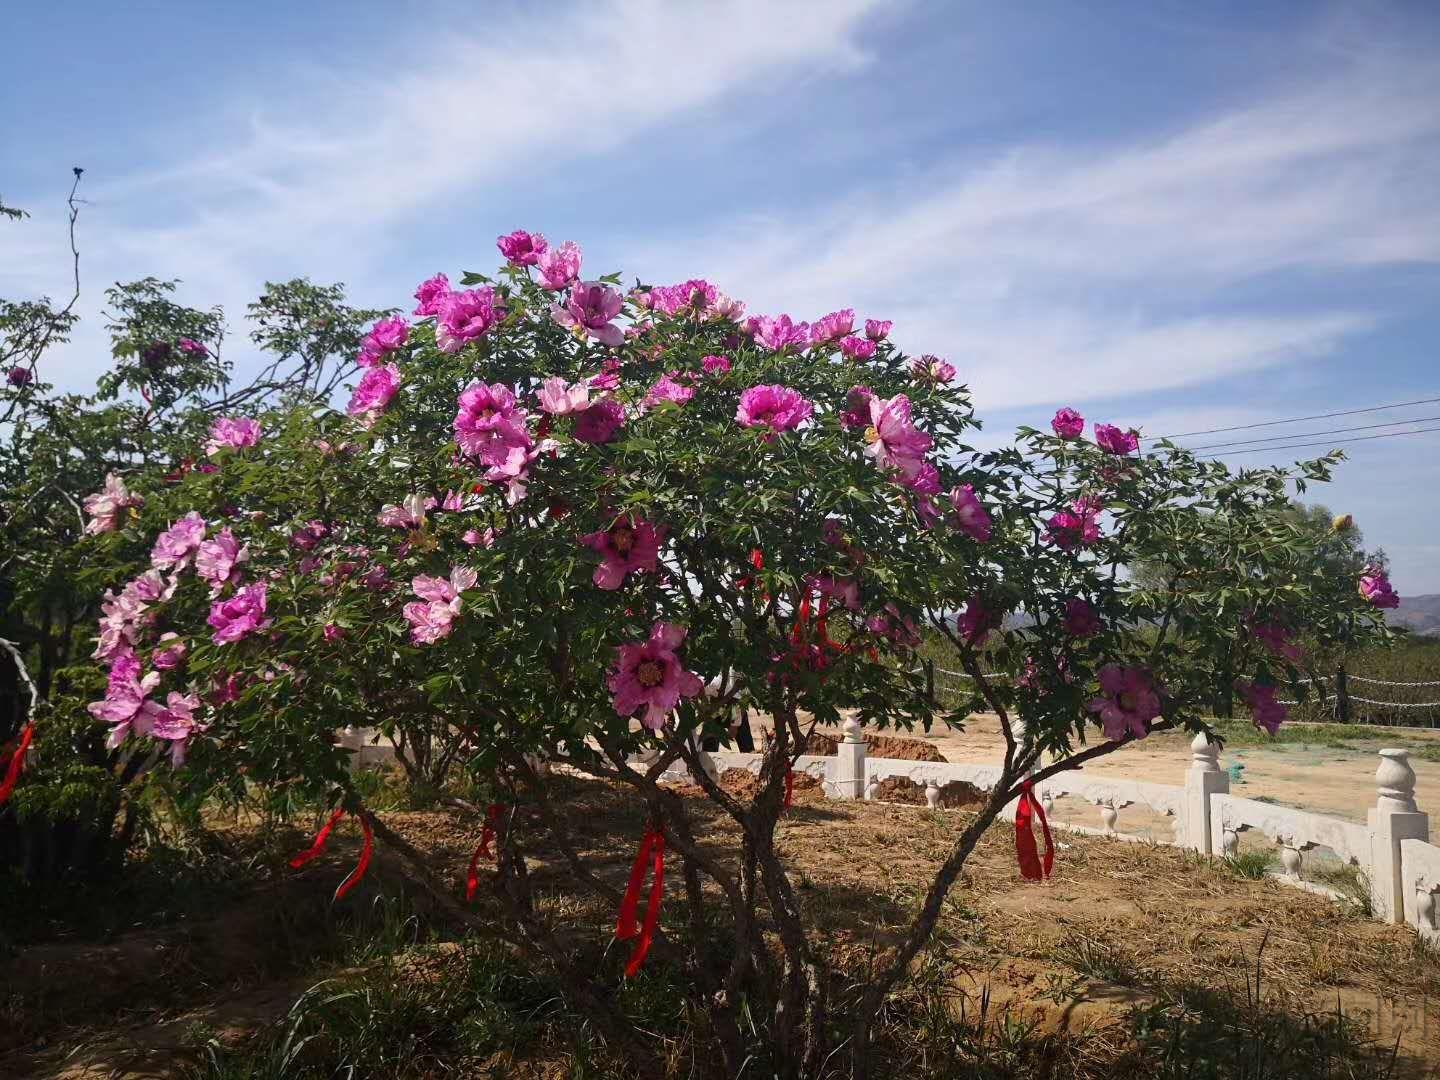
(651,856)
(367,851)
(493,814)
(17,763)
(1027,808)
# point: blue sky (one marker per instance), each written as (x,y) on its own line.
(1167,214)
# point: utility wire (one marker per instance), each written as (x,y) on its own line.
(1332,442)
(1293,420)
(1316,434)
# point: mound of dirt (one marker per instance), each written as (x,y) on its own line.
(881,746)
(954,795)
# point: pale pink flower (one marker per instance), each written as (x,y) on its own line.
(522,248)
(893,442)
(480,537)
(430,294)
(558,399)
(969,517)
(630,545)
(1067,423)
(1265,711)
(667,389)
(600,422)
(466,316)
(715,365)
(878,329)
(169,653)
(1129,701)
(778,333)
(588,311)
(1376,588)
(1080,619)
(433,616)
(856,416)
(559,266)
(1110,438)
(217,561)
(242,614)
(932,369)
(831,327)
(235,433)
(650,675)
(775,407)
(410,514)
(373,393)
(108,505)
(175,547)
(123,706)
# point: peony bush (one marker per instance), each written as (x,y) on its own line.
(560,519)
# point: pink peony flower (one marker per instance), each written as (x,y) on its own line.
(175,721)
(630,545)
(410,514)
(123,706)
(559,266)
(878,329)
(924,479)
(932,369)
(694,295)
(490,426)
(466,316)
(521,248)
(667,389)
(176,545)
(715,365)
(649,675)
(385,336)
(332,633)
(969,517)
(1067,423)
(856,416)
(373,393)
(1265,711)
(1080,619)
(480,538)
(854,348)
(430,295)
(306,537)
(589,310)
(557,399)
(1112,439)
(778,333)
(19,376)
(897,628)
(234,433)
(239,616)
(976,621)
(169,654)
(192,347)
(831,327)
(844,591)
(1376,588)
(433,616)
(108,505)
(218,561)
(1129,701)
(1278,640)
(1077,527)
(893,442)
(775,407)
(600,422)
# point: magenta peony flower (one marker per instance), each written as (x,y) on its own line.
(630,545)
(778,333)
(695,295)
(878,329)
(177,544)
(893,442)
(430,295)
(1112,439)
(831,327)
(856,416)
(898,628)
(1278,640)
(1376,588)
(1077,527)
(715,365)
(465,316)
(521,248)
(306,537)
(490,426)
(969,517)
(410,514)
(175,721)
(976,621)
(192,347)
(234,433)
(218,561)
(932,369)
(775,407)
(19,376)
(1129,703)
(239,616)
(1067,423)
(589,310)
(844,591)
(169,653)
(667,389)
(557,399)
(1265,711)
(374,392)
(560,266)
(1080,619)
(649,674)
(433,616)
(385,336)
(123,706)
(107,506)
(854,348)
(600,422)
(332,633)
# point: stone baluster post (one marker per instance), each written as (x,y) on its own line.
(850,763)
(932,794)
(1290,856)
(872,789)
(1205,778)
(1108,816)
(1394,818)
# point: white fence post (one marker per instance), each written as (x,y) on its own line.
(1395,818)
(850,763)
(1205,778)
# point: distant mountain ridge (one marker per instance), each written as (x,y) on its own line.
(1420,614)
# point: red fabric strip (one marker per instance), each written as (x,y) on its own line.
(365,854)
(17,763)
(493,813)
(1027,809)
(652,907)
(757,558)
(320,838)
(626,927)
(802,620)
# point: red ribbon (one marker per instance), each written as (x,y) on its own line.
(757,558)
(802,620)
(490,832)
(650,856)
(17,763)
(789,788)
(366,852)
(1025,853)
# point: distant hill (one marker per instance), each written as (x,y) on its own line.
(1419,613)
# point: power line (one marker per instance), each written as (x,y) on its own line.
(1292,420)
(1334,442)
(1310,434)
